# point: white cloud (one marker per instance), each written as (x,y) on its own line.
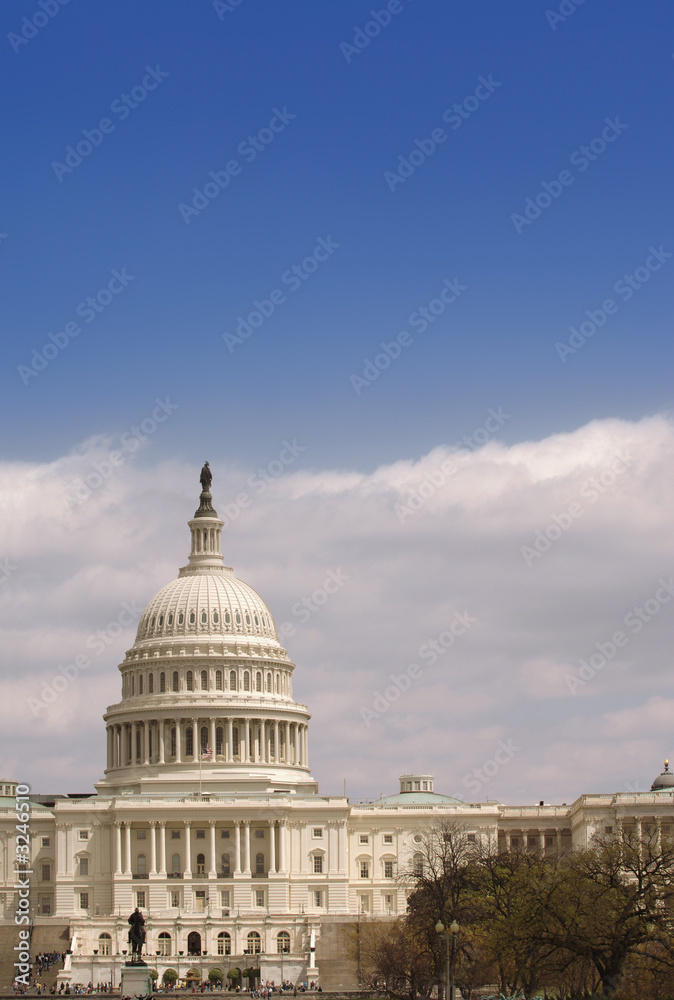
(458,550)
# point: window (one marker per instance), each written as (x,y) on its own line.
(201,864)
(140,899)
(363,839)
(224,943)
(176,867)
(169,620)
(388,838)
(471,838)
(219,741)
(416,786)
(175,898)
(104,945)
(84,901)
(318,833)
(204,680)
(141,865)
(181,618)
(140,684)
(388,902)
(189,683)
(246,680)
(252,944)
(259,864)
(418,864)
(150,684)
(84,866)
(189,742)
(318,897)
(318,864)
(259,897)
(203,738)
(283,943)
(224,898)
(228,618)
(45,906)
(224,834)
(259,834)
(204,618)
(193,617)
(218,680)
(176,681)
(232,680)
(46,873)
(364,903)
(268,683)
(201,834)
(45,841)
(364,869)
(162,682)
(608,829)
(83,834)
(258,681)
(164,942)
(549,841)
(141,834)
(224,864)
(174,742)
(216,618)
(388,869)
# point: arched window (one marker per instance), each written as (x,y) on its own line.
(216,618)
(238,618)
(253,943)
(224,864)
(138,743)
(246,682)
(218,680)
(269,683)
(235,740)
(418,864)
(259,863)
(133,684)
(140,684)
(201,864)
(169,620)
(277,684)
(150,684)
(193,617)
(104,945)
(247,618)
(189,682)
(204,618)
(232,680)
(181,618)
(219,740)
(203,738)
(224,943)
(283,943)
(141,865)
(164,942)
(160,623)
(174,742)
(176,681)
(204,680)
(162,682)
(176,867)
(189,742)
(228,618)
(258,681)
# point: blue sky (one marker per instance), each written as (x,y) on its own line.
(324,175)
(337,124)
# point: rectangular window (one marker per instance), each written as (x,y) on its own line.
(224,834)
(45,906)
(175,834)
(83,834)
(175,899)
(224,897)
(608,829)
(318,833)
(84,901)
(200,900)
(259,834)
(318,864)
(84,866)
(201,834)
(259,897)
(46,873)
(388,902)
(318,898)
(364,869)
(140,899)
(388,838)
(364,904)
(549,841)
(141,834)
(363,839)
(388,869)
(471,838)
(46,842)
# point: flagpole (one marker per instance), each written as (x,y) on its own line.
(200,754)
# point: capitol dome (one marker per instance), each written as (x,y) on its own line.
(664,781)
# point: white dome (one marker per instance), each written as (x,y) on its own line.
(212,605)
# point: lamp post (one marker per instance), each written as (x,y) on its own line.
(450,954)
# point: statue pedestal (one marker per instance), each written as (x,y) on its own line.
(136,980)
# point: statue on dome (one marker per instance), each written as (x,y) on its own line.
(136,934)
(206,478)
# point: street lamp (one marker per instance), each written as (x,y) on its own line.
(450,954)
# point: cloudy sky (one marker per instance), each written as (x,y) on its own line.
(422,253)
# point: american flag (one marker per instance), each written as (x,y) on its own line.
(206,753)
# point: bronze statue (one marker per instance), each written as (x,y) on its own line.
(136,934)
(206,478)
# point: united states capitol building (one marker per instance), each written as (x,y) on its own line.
(209,820)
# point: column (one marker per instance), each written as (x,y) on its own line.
(118,848)
(229,751)
(272,848)
(213,865)
(237,848)
(263,741)
(179,741)
(108,755)
(213,736)
(127,848)
(341,840)
(277,748)
(282,846)
(306,746)
(246,847)
(196,740)
(153,848)
(146,742)
(188,850)
(541,841)
(118,746)
(161,830)
(160,737)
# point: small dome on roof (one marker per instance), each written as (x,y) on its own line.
(663,781)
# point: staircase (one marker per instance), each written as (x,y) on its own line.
(45,937)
